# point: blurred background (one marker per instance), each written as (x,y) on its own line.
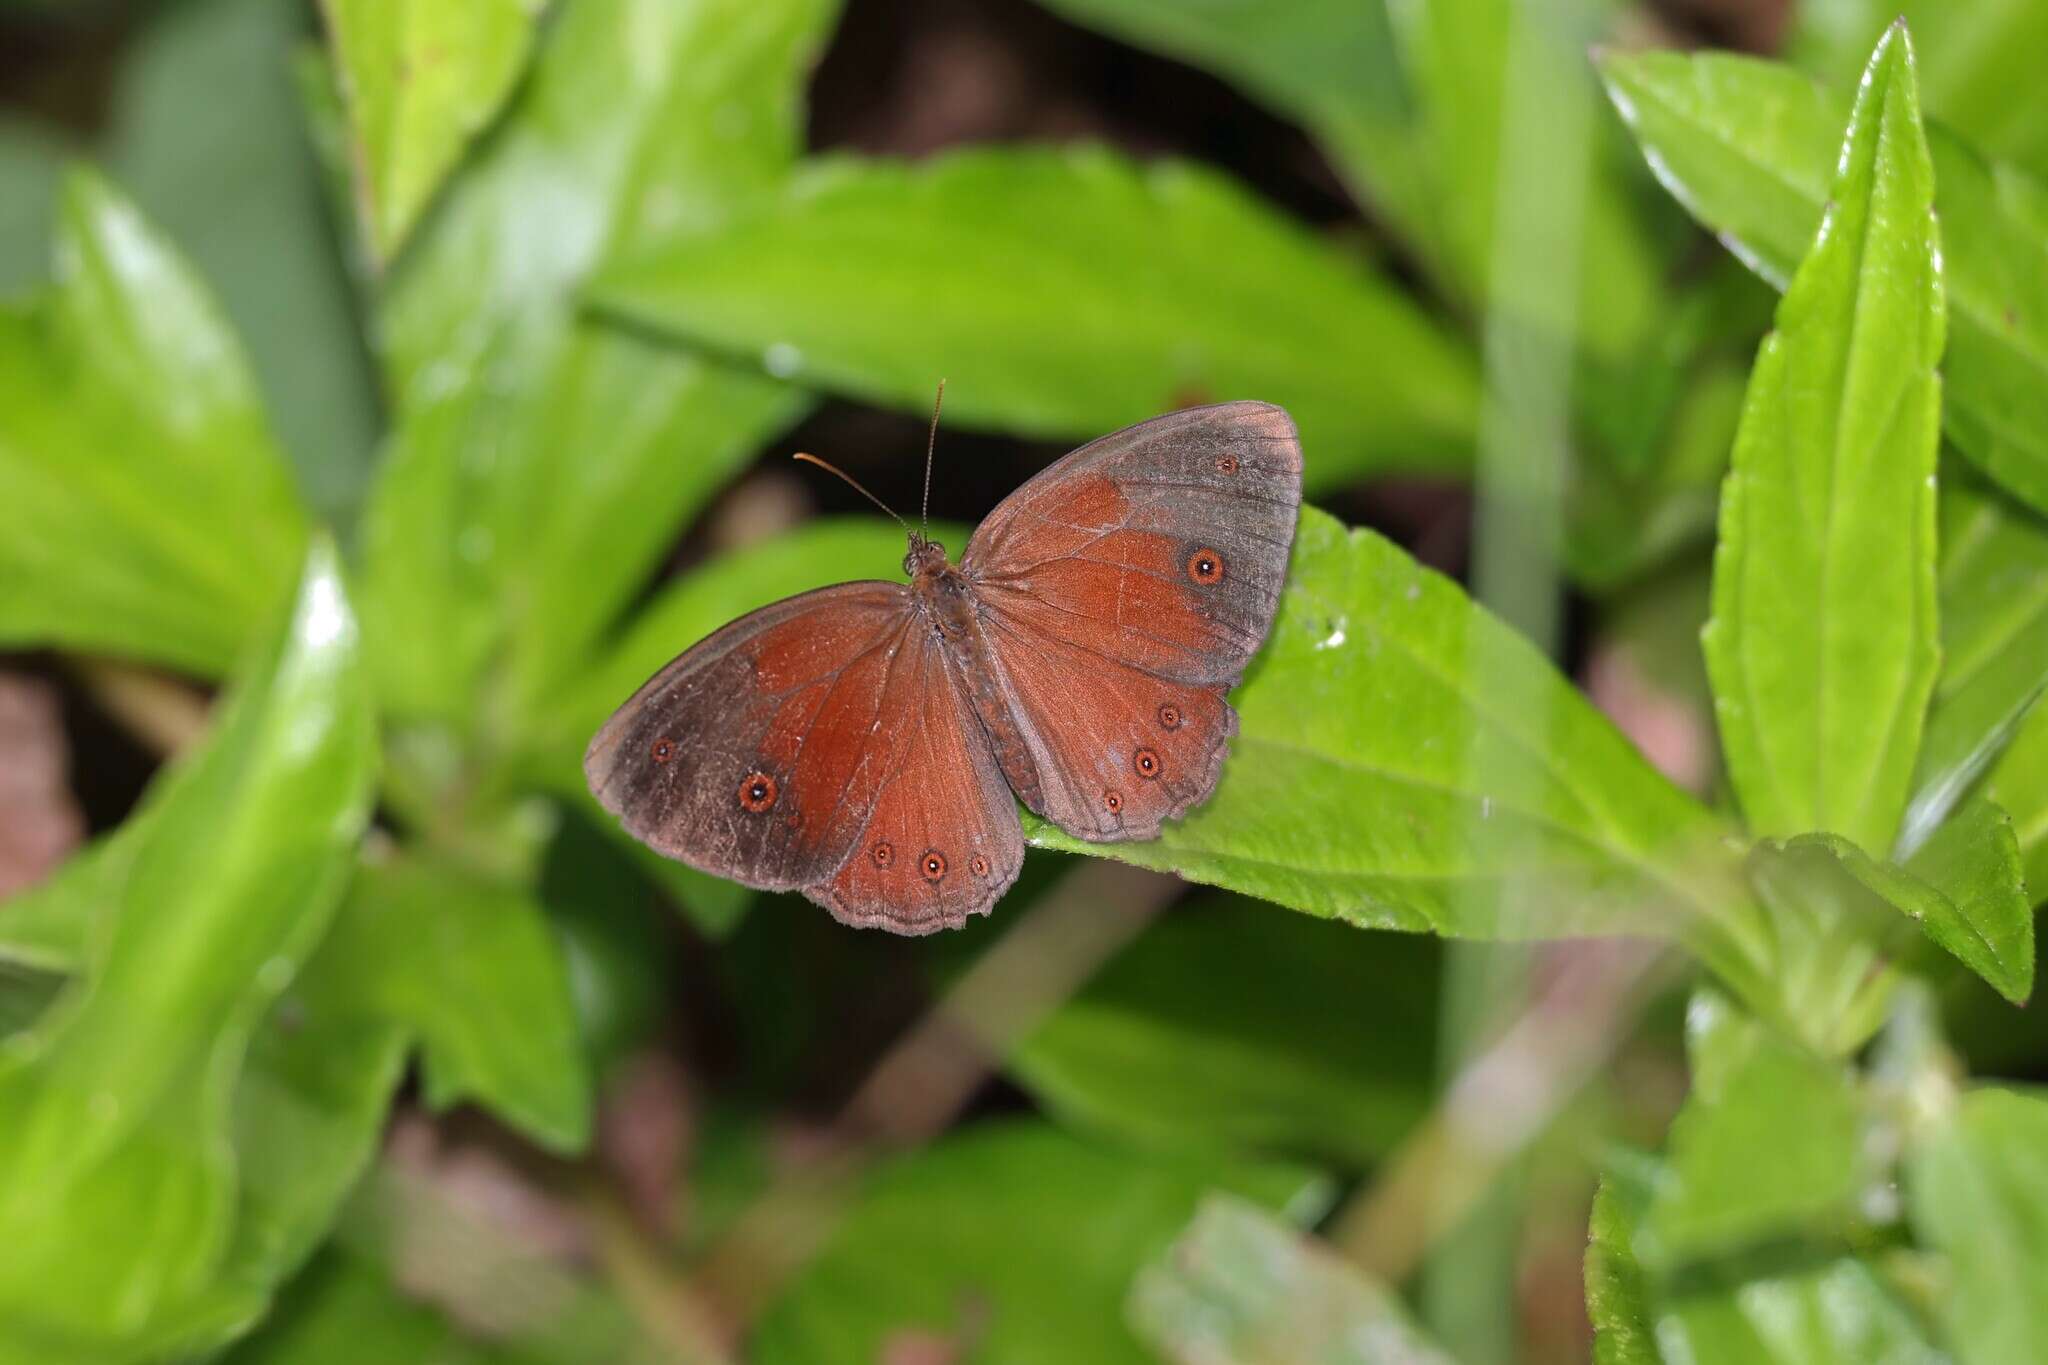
(1422,227)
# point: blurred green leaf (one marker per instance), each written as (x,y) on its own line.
(1977,63)
(1064,293)
(476,972)
(1832,939)
(346,1311)
(1217,1028)
(1749,147)
(540,467)
(31,163)
(1994,644)
(1011,1240)
(421,78)
(119,1183)
(1823,644)
(205,131)
(1507,118)
(1240,1284)
(50,926)
(1404,761)
(1752,1092)
(1978,1193)
(1329,64)
(1617,1290)
(2019,783)
(146,511)
(1800,1307)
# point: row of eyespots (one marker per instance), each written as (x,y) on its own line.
(932,864)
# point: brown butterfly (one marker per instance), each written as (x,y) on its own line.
(860,743)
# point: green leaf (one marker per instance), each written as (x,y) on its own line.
(1797,1307)
(1617,1287)
(1240,1284)
(205,131)
(2019,783)
(1331,65)
(1010,1236)
(1064,293)
(31,164)
(1406,761)
(1214,1029)
(1977,63)
(540,467)
(50,926)
(146,511)
(474,970)
(1978,1193)
(118,1106)
(1752,1092)
(345,1311)
(1823,644)
(421,78)
(1973,861)
(1507,121)
(1826,1311)
(1962,888)
(1750,148)
(1994,645)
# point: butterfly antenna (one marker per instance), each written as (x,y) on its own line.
(854,484)
(931,443)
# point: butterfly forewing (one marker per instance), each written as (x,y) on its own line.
(1124,590)
(748,756)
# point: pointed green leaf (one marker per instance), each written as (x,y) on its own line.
(421,78)
(1981,913)
(1062,294)
(1750,148)
(1617,1286)
(1823,648)
(1752,1092)
(1978,1192)
(144,510)
(1011,1236)
(1978,63)
(476,973)
(1406,761)
(1994,645)
(117,1180)
(1240,1284)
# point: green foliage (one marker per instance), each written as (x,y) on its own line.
(1040,1234)
(1196,293)
(1822,647)
(1979,1195)
(1241,1284)
(1216,1027)
(420,81)
(133,428)
(597,277)
(1750,147)
(120,1100)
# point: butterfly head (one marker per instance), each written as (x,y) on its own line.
(924,556)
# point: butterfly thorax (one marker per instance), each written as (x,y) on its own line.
(945,597)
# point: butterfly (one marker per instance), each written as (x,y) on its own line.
(861,743)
